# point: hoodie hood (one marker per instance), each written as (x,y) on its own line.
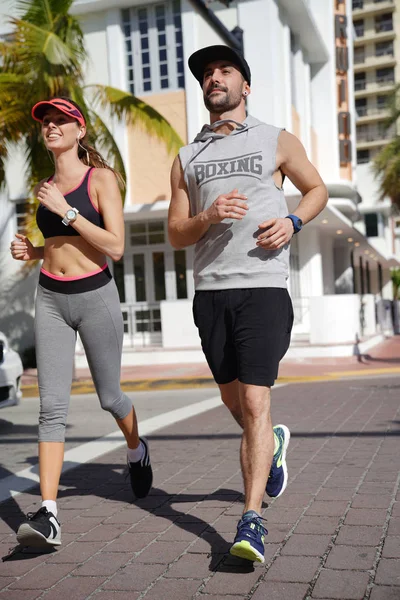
(208,131)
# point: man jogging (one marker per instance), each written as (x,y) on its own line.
(227,198)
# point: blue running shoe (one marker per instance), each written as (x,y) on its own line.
(278,475)
(249,540)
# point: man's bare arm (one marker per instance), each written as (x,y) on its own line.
(185,230)
(293,162)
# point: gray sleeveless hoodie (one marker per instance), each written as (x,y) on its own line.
(227,256)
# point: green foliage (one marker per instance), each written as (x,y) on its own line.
(395,276)
(387,168)
(45,57)
(386,164)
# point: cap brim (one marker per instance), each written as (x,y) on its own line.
(199,60)
(39,110)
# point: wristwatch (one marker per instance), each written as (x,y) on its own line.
(296,221)
(70,216)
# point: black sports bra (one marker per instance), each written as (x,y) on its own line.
(50,224)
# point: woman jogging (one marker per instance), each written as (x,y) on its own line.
(81,218)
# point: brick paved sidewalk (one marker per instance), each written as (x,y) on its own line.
(334,534)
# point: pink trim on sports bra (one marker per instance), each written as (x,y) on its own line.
(77,186)
(103,268)
(88,191)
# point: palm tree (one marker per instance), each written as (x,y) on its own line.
(395,276)
(387,163)
(44,57)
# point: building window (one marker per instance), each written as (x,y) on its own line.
(119,277)
(371,224)
(154,47)
(359,55)
(362,157)
(159,276)
(384,48)
(360,81)
(359,27)
(385,76)
(382,102)
(357,4)
(145,234)
(361,107)
(384,23)
(180,274)
(176,13)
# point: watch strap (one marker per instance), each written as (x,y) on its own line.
(66,221)
(296,222)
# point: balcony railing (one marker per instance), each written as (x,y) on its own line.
(389,51)
(388,80)
(374,135)
(383,26)
(367,111)
(362,84)
(359,58)
(369,4)
(359,29)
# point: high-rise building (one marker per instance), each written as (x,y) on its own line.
(376,74)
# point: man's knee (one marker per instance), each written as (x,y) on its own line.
(255,402)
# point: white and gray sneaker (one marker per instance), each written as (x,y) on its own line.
(41,529)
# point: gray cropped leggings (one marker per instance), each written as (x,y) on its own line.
(96,316)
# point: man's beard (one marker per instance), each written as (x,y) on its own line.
(223,102)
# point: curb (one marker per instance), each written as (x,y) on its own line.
(140,385)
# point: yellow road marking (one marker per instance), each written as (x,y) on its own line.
(87,387)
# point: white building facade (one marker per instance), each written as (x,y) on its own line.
(301,56)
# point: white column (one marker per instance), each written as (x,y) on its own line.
(286,73)
(311,277)
(307,109)
(117,78)
(326,241)
(262,36)
(196,112)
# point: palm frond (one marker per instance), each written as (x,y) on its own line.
(42,11)
(38,161)
(132,110)
(393,106)
(106,142)
(3,156)
(37,41)
(386,167)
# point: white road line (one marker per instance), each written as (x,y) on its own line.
(27,478)
(13,485)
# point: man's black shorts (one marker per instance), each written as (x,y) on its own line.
(244,332)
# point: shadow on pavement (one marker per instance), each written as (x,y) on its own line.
(107,481)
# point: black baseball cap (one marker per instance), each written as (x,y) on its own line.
(199,60)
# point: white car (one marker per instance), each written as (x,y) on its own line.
(11,370)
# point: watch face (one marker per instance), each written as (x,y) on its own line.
(71,214)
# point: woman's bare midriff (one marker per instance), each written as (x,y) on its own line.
(67,256)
